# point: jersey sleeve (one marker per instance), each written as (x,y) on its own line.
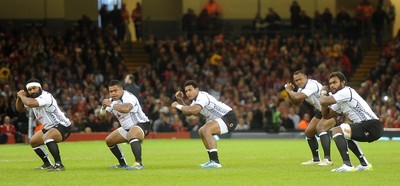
(44,99)
(342,95)
(309,90)
(201,100)
(336,108)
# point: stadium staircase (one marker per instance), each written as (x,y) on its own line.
(134,55)
(368,63)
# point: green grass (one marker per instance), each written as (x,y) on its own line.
(175,162)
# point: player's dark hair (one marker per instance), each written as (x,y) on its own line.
(338,75)
(191,82)
(299,72)
(114,82)
(33,80)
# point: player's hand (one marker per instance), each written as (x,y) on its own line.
(106,103)
(173,104)
(21,93)
(326,88)
(289,86)
(179,95)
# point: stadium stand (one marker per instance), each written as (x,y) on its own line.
(76,65)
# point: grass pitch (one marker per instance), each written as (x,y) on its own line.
(175,162)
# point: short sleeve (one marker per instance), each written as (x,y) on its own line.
(201,100)
(342,95)
(44,99)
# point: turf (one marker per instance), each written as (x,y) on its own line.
(175,162)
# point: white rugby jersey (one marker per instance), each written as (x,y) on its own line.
(313,92)
(48,113)
(353,105)
(211,107)
(134,117)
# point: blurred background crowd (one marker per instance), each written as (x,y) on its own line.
(247,72)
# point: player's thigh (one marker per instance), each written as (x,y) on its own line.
(311,129)
(54,134)
(37,139)
(325,124)
(210,127)
(114,138)
(135,132)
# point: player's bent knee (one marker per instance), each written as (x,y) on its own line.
(310,133)
(346,130)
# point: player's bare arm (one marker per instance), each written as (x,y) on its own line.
(294,97)
(30,102)
(179,98)
(123,108)
(187,110)
(19,105)
(325,101)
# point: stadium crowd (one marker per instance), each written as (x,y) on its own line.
(247,73)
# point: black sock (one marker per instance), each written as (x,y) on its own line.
(116,150)
(136,149)
(326,144)
(353,146)
(341,145)
(214,155)
(53,148)
(209,154)
(313,143)
(41,152)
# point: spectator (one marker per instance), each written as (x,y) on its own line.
(242,125)
(379,18)
(318,21)
(304,22)
(7,128)
(130,85)
(259,25)
(118,22)
(202,23)
(327,19)
(125,24)
(178,124)
(193,123)
(294,117)
(189,25)
(137,21)
(391,12)
(273,21)
(304,122)
(295,14)
(164,122)
(212,7)
(343,20)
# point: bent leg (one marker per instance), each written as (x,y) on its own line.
(112,141)
(37,145)
(135,136)
(323,126)
(341,144)
(206,133)
(311,139)
(51,138)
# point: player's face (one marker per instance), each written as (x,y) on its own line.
(34,91)
(115,92)
(191,92)
(335,84)
(300,80)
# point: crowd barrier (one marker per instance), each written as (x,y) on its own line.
(103,135)
(388,134)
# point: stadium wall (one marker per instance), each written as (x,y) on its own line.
(388,134)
